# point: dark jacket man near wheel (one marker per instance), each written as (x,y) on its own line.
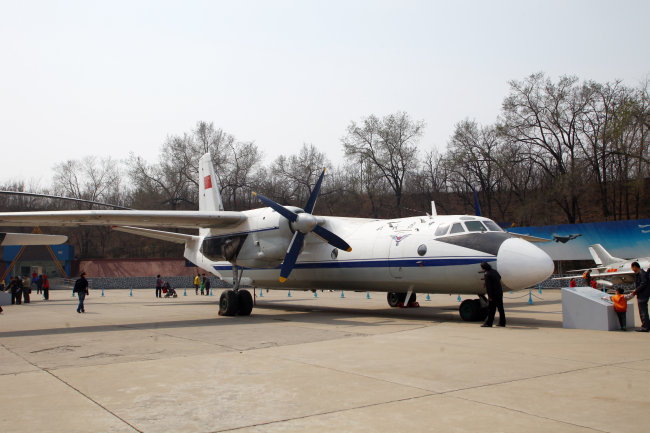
(81,289)
(642,292)
(495,295)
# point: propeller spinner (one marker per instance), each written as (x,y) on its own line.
(303,223)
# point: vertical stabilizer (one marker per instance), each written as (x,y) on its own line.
(601,256)
(209,195)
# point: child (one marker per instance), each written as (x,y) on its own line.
(620,305)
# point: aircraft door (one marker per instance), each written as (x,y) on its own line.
(397,253)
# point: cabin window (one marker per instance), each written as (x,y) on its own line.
(442,230)
(475,226)
(492,226)
(457,228)
(422,249)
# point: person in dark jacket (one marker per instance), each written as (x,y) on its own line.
(495,295)
(26,289)
(16,293)
(46,288)
(206,284)
(159,286)
(642,292)
(81,289)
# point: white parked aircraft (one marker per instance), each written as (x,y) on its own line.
(288,247)
(611,270)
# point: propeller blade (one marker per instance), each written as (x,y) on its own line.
(276,207)
(291,256)
(332,239)
(314,194)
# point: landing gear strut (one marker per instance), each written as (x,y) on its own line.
(398,299)
(236,302)
(474,310)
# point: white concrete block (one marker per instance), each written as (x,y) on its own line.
(583,308)
(5,298)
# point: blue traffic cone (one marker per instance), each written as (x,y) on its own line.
(289,294)
(102,291)
(315,294)
(540,289)
(458,299)
(261,294)
(184,292)
(428,297)
(73,294)
(342,295)
(131,292)
(530,297)
(211,292)
(367,295)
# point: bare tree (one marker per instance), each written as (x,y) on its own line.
(389,144)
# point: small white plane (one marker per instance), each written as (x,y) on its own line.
(280,247)
(611,270)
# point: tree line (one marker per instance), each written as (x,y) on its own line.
(560,151)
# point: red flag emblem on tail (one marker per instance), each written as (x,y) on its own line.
(207,182)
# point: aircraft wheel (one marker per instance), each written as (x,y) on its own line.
(394,298)
(245,303)
(469,310)
(228,303)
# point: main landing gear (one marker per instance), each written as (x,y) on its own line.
(474,310)
(397,300)
(236,302)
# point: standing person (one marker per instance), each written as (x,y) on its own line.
(202,284)
(39,284)
(46,288)
(587,277)
(620,306)
(159,284)
(206,284)
(495,295)
(26,289)
(197,283)
(642,292)
(81,289)
(14,286)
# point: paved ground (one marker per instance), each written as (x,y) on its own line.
(326,364)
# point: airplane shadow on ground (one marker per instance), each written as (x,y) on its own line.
(325,315)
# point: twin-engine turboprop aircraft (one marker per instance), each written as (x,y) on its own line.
(288,247)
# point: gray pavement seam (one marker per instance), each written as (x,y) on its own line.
(73,388)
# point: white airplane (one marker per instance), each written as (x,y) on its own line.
(611,270)
(280,247)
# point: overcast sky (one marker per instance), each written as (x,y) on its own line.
(82,78)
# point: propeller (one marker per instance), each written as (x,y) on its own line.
(303,223)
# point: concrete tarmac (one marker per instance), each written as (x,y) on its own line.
(325,364)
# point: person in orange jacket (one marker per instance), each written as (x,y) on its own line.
(620,305)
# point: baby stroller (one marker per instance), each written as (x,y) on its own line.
(169,291)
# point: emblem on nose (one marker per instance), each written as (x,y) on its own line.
(399,239)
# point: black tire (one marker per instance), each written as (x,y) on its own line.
(245,303)
(395,298)
(469,310)
(228,304)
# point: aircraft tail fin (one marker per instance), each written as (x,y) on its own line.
(209,195)
(601,256)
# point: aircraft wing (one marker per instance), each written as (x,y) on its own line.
(31,239)
(144,218)
(179,238)
(529,238)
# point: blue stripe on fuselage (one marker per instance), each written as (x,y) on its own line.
(382,263)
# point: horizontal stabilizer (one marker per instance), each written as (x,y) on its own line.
(179,238)
(145,218)
(31,239)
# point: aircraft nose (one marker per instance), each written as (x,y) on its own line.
(522,264)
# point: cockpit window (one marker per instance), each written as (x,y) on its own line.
(475,226)
(442,230)
(457,228)
(492,226)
